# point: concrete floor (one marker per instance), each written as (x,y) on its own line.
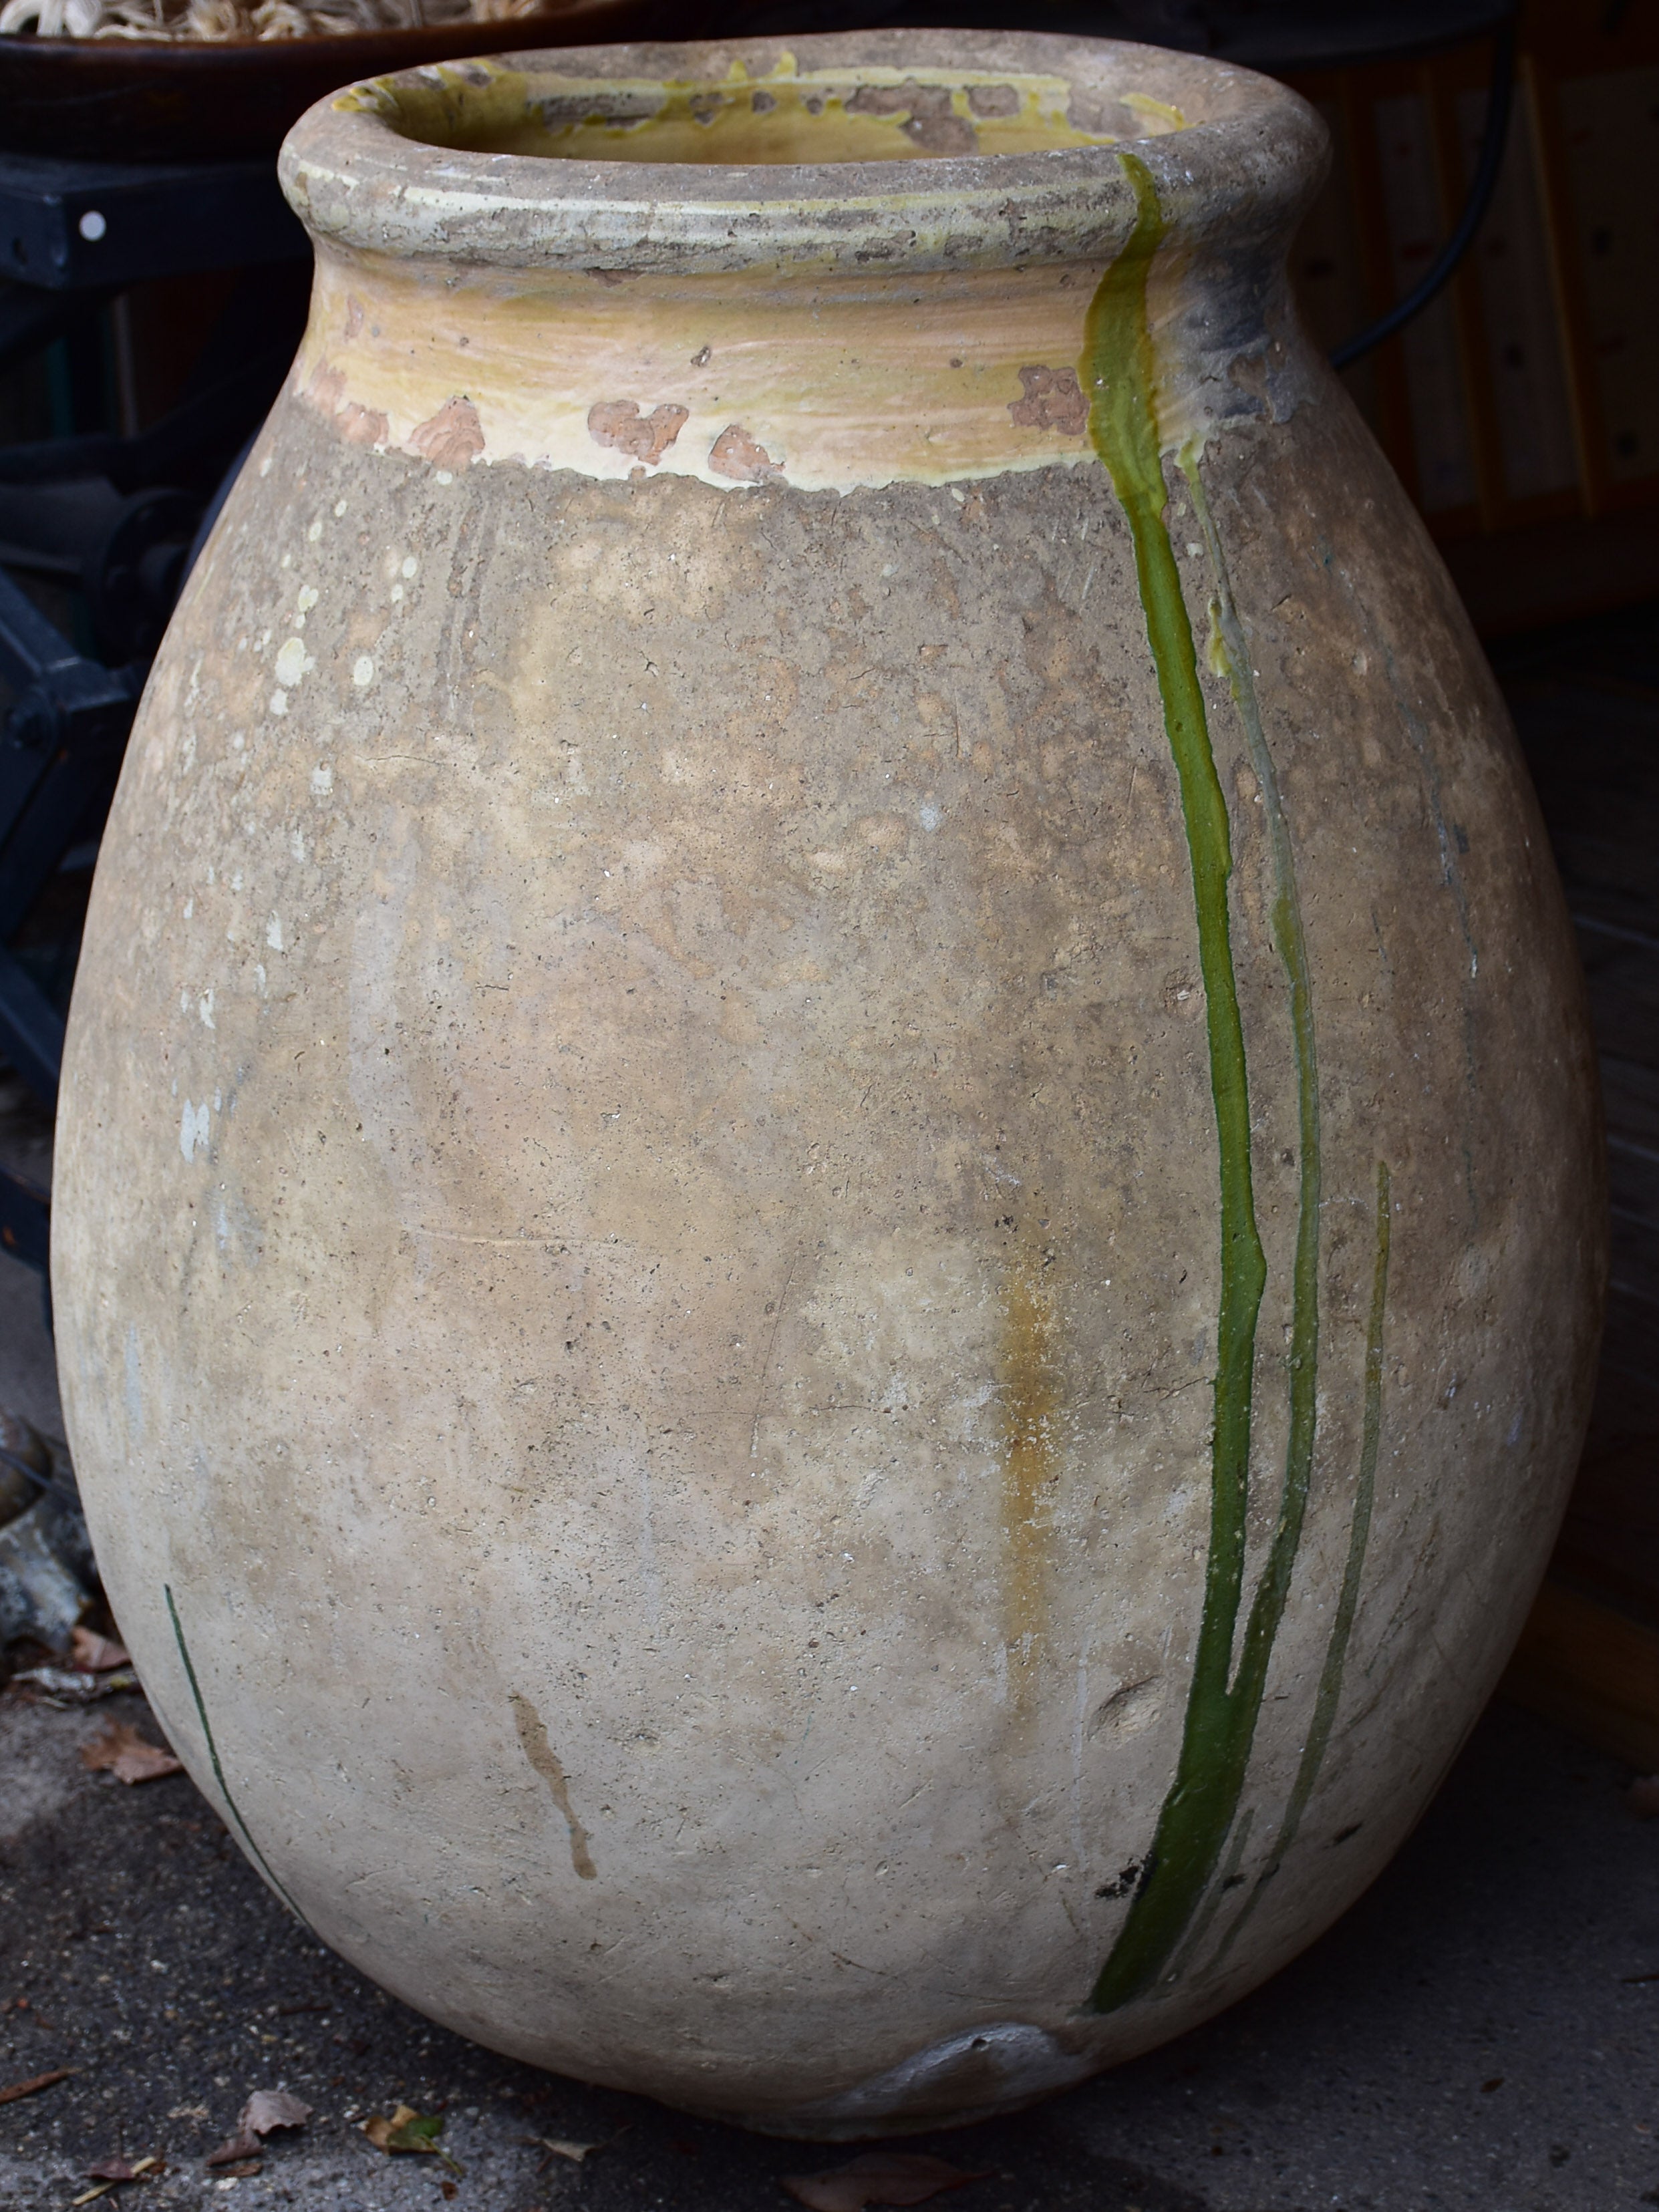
(1481,2032)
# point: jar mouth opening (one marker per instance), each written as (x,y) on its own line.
(783,115)
(913,150)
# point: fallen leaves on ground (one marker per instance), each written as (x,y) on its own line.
(97,1654)
(561,2148)
(17,2089)
(128,1756)
(264,2110)
(66,1686)
(273,2108)
(109,2172)
(1642,1796)
(879,2177)
(407,2129)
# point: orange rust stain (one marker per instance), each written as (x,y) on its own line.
(1029,1465)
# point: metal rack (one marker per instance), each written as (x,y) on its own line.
(118,518)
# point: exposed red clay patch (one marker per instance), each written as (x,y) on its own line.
(1053,401)
(452,438)
(362,426)
(356,424)
(734,454)
(619,423)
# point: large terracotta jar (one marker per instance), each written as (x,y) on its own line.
(828,1235)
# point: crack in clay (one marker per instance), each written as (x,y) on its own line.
(214,1761)
(540,1753)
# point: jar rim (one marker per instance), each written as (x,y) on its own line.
(446,162)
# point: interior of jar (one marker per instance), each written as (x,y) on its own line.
(854,112)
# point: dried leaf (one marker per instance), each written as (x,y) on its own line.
(128,1756)
(17,2089)
(239,2146)
(561,2149)
(64,1686)
(879,2177)
(117,2169)
(407,2129)
(97,1654)
(273,2108)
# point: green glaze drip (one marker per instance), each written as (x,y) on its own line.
(1227,1877)
(1329,1696)
(213,1756)
(1290,942)
(1117,371)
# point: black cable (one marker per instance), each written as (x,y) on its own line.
(40,1481)
(1500,100)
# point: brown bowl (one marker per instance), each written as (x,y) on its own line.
(131,99)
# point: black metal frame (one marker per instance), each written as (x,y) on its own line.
(118,518)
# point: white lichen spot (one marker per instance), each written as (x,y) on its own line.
(446,476)
(363,671)
(292,662)
(204,1008)
(187,750)
(274,933)
(314,532)
(339,508)
(932,814)
(193,1128)
(322,779)
(396,594)
(308,599)
(264,466)
(189,906)
(237,741)
(296,844)
(410,564)
(279,702)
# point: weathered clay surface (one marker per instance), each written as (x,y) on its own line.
(638,1255)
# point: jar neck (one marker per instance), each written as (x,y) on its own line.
(819,381)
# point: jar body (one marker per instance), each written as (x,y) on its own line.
(640,1245)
